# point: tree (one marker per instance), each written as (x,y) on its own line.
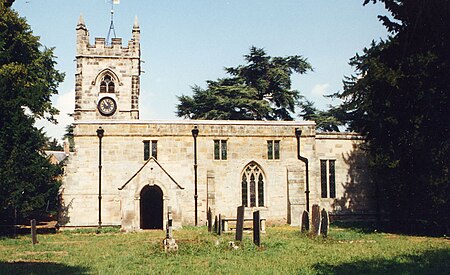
(399,100)
(259,90)
(53,144)
(68,137)
(326,121)
(27,81)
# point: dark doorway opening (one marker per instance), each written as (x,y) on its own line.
(151,207)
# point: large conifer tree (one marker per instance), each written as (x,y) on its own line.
(400,100)
(258,90)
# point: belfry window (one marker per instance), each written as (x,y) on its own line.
(107,84)
(252,186)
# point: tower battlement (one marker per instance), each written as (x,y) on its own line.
(101,47)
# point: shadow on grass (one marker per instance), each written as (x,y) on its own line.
(428,262)
(40,268)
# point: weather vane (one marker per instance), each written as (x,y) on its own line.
(111,25)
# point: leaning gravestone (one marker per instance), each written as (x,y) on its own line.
(256,228)
(305,222)
(316,220)
(325,224)
(240,223)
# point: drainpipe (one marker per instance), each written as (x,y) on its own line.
(298,133)
(100,134)
(195,135)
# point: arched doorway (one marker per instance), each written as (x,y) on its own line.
(151,205)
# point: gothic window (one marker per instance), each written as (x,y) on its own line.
(273,149)
(150,147)
(252,186)
(107,84)
(220,149)
(328,178)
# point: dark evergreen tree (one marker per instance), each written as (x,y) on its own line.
(259,90)
(326,121)
(68,136)
(399,100)
(27,81)
(53,145)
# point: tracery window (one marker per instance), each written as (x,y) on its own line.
(252,186)
(107,84)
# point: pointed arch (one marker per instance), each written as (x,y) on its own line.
(253,185)
(107,71)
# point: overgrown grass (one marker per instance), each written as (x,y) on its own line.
(284,250)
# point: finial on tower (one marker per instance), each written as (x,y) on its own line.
(81,21)
(136,23)
(81,26)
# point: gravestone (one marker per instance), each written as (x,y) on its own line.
(169,242)
(240,223)
(33,232)
(305,222)
(256,228)
(316,220)
(216,221)
(219,226)
(209,218)
(325,224)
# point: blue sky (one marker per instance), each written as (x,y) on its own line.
(185,43)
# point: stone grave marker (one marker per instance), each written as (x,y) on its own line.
(305,222)
(316,220)
(169,242)
(219,226)
(325,224)
(256,228)
(216,222)
(209,219)
(240,223)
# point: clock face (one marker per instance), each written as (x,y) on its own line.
(107,106)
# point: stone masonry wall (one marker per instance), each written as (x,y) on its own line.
(122,157)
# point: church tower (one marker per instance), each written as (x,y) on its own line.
(107,80)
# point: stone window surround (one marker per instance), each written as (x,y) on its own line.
(222,149)
(150,149)
(329,178)
(260,201)
(273,149)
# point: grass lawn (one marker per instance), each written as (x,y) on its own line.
(284,250)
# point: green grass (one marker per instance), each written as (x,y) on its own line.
(284,250)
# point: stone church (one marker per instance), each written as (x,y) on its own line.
(131,171)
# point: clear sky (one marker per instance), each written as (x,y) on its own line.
(185,43)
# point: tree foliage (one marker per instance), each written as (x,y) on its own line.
(27,81)
(399,100)
(326,121)
(259,90)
